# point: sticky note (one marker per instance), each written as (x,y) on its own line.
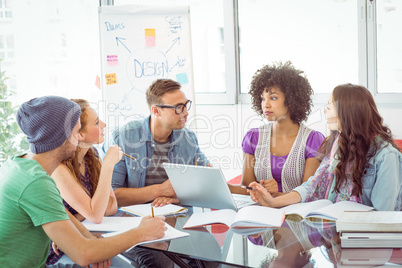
(97,82)
(111,79)
(112,60)
(150,41)
(182,78)
(150,32)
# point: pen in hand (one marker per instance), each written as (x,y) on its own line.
(152,211)
(196,162)
(129,156)
(248,188)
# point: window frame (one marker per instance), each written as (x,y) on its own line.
(367,59)
(382,99)
(231,42)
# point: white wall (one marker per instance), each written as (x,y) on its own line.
(220,130)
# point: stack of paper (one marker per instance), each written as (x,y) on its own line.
(145,210)
(370,229)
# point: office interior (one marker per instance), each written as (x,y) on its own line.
(52,47)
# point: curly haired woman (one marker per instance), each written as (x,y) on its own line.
(361,162)
(280,155)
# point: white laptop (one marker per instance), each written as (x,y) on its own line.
(203,187)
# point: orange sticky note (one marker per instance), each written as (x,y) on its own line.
(111,79)
(150,32)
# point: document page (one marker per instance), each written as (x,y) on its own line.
(334,211)
(145,210)
(302,209)
(259,216)
(224,216)
(113,224)
(170,233)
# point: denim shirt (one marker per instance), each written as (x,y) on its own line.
(382,181)
(135,139)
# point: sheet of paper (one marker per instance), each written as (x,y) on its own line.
(113,224)
(224,216)
(170,233)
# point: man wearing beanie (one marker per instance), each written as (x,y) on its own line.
(31,208)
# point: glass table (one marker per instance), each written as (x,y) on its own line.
(297,243)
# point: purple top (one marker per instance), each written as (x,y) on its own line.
(250,142)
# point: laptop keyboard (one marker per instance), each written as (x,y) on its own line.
(240,203)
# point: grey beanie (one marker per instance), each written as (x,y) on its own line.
(48,121)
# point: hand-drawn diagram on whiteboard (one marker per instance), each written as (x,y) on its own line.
(139,45)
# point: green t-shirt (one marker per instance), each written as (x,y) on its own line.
(28,198)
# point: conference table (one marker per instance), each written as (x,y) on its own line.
(297,243)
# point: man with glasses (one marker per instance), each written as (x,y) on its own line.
(161,137)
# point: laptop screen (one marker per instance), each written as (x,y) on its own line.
(200,186)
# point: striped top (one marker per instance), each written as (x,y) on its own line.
(156,173)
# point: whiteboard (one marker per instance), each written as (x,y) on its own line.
(140,44)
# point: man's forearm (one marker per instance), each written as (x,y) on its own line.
(84,231)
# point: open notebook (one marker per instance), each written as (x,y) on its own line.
(145,210)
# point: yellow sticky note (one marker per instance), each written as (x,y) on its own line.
(111,79)
(149,32)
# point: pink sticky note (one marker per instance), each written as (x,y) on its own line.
(150,41)
(97,82)
(112,60)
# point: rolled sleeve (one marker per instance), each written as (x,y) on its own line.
(302,191)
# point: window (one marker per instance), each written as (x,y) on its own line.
(389,46)
(51,48)
(332,41)
(6,12)
(311,34)
(7,47)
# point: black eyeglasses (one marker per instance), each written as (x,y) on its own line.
(178,109)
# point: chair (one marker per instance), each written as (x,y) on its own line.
(235,180)
(399,143)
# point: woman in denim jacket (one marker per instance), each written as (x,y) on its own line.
(360,161)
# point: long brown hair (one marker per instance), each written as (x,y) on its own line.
(360,123)
(91,158)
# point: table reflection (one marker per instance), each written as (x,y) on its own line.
(298,243)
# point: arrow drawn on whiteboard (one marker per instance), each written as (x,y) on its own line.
(125,97)
(177,40)
(118,39)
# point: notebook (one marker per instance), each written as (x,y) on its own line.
(201,186)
